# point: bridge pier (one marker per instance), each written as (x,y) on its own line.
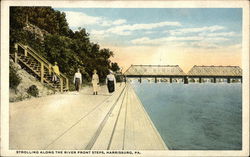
(214,79)
(185,80)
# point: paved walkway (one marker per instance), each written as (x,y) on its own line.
(83,121)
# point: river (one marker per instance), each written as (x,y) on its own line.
(206,116)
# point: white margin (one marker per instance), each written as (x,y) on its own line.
(126,4)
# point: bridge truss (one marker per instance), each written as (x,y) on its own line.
(213,73)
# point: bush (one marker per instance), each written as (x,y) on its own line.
(14,78)
(33,91)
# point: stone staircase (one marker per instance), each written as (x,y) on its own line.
(39,67)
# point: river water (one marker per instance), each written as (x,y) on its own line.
(206,116)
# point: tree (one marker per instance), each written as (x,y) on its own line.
(71,49)
(115,67)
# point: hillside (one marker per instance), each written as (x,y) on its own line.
(26,80)
(47,32)
(54,40)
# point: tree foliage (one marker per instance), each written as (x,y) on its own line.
(115,67)
(70,49)
(33,91)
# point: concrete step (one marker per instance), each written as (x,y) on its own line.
(118,140)
(105,138)
(140,130)
(83,134)
(130,128)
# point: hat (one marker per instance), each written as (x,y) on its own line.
(94,71)
(55,62)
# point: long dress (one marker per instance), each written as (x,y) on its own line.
(77,84)
(77,80)
(111,83)
(95,81)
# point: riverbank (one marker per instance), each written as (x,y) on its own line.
(83,121)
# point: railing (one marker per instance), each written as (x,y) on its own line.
(28,51)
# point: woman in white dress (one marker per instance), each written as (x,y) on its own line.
(95,82)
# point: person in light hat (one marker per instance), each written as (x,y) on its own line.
(111,82)
(95,82)
(56,73)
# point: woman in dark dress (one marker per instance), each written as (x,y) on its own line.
(111,82)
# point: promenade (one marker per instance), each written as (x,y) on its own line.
(82,121)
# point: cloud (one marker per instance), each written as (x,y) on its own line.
(160,41)
(192,41)
(147,26)
(215,39)
(128,29)
(205,37)
(143,40)
(119,22)
(119,26)
(204,44)
(195,30)
(80,19)
(106,22)
(149,32)
(225,34)
(106,33)
(235,46)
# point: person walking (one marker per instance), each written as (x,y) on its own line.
(56,73)
(95,82)
(77,80)
(111,82)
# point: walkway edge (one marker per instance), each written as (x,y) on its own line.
(150,121)
(98,131)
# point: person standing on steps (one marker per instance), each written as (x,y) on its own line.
(56,73)
(111,82)
(77,80)
(95,82)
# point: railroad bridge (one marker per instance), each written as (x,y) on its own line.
(173,73)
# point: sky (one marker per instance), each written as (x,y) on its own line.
(165,36)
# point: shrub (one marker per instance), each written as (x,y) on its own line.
(33,91)
(14,78)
